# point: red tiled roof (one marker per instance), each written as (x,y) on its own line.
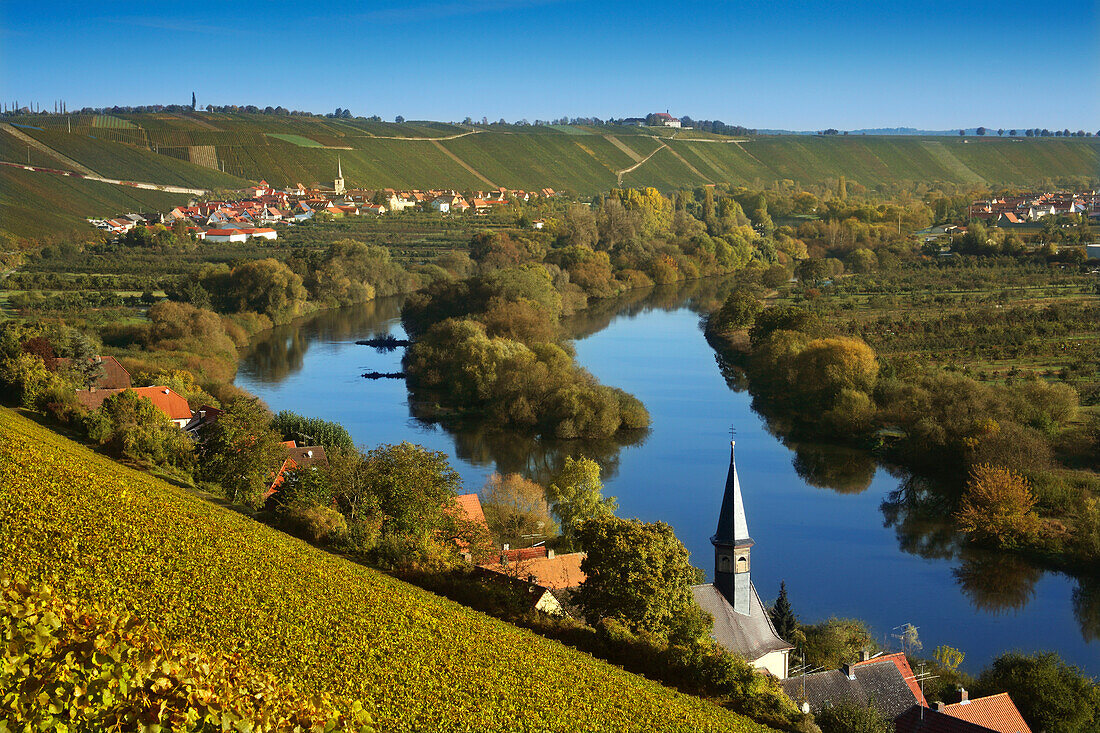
(168,401)
(223,232)
(902,664)
(114,374)
(469,505)
(555,573)
(996,712)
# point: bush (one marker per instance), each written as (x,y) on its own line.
(1050,694)
(318,524)
(130,426)
(78,668)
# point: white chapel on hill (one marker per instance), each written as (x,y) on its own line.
(741,623)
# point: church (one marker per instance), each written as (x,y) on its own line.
(741,623)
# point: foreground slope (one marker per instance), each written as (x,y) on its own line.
(215,579)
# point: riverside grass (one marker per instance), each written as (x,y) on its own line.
(220,582)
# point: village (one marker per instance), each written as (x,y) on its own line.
(262,207)
(1033,207)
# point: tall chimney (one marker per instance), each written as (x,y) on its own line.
(940,707)
(864,655)
(550,554)
(964,696)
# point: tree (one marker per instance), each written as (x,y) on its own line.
(192,101)
(997,506)
(1051,695)
(399,119)
(980,131)
(948,656)
(312,431)
(638,574)
(783,616)
(739,311)
(516,508)
(240,452)
(832,643)
(414,488)
(131,426)
(576,494)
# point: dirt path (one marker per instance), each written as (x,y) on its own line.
(637,165)
(690,167)
(46,149)
(429,139)
(100,179)
(463,163)
(623,147)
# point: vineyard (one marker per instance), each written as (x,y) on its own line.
(289,149)
(218,582)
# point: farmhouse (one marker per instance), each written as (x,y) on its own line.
(165,399)
(112,375)
(741,623)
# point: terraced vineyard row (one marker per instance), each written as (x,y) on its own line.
(218,581)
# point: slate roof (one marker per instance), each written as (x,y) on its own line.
(733,527)
(996,712)
(919,719)
(878,683)
(899,660)
(751,636)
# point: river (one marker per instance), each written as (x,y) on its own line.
(849,538)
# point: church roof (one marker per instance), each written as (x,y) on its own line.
(733,528)
(751,636)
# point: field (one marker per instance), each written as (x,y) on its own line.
(214,579)
(995,322)
(584,160)
(42,204)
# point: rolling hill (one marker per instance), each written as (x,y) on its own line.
(221,582)
(213,150)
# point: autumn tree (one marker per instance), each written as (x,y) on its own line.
(131,426)
(997,506)
(638,574)
(738,311)
(240,452)
(516,508)
(576,494)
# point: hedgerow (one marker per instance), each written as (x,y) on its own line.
(219,583)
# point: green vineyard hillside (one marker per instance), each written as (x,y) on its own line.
(218,581)
(584,160)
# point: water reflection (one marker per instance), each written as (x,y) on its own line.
(918,512)
(996,583)
(281,352)
(1086,606)
(842,469)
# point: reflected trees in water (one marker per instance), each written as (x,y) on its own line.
(996,582)
(844,470)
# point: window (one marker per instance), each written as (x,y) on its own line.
(743,564)
(724,564)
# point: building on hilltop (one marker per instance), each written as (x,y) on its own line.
(664,119)
(741,623)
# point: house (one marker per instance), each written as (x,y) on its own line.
(481,206)
(995,712)
(664,119)
(538,224)
(887,682)
(226,235)
(260,233)
(741,623)
(541,566)
(536,597)
(304,456)
(112,375)
(1092,251)
(165,399)
(376,209)
(202,417)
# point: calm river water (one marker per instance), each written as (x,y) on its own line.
(848,538)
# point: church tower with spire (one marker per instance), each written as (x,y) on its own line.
(732,545)
(741,623)
(338,184)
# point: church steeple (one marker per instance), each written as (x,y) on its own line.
(338,184)
(732,544)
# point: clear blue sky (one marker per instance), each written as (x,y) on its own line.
(797,65)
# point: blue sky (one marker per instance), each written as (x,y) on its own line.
(796,65)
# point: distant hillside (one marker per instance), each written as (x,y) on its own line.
(586,160)
(214,579)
